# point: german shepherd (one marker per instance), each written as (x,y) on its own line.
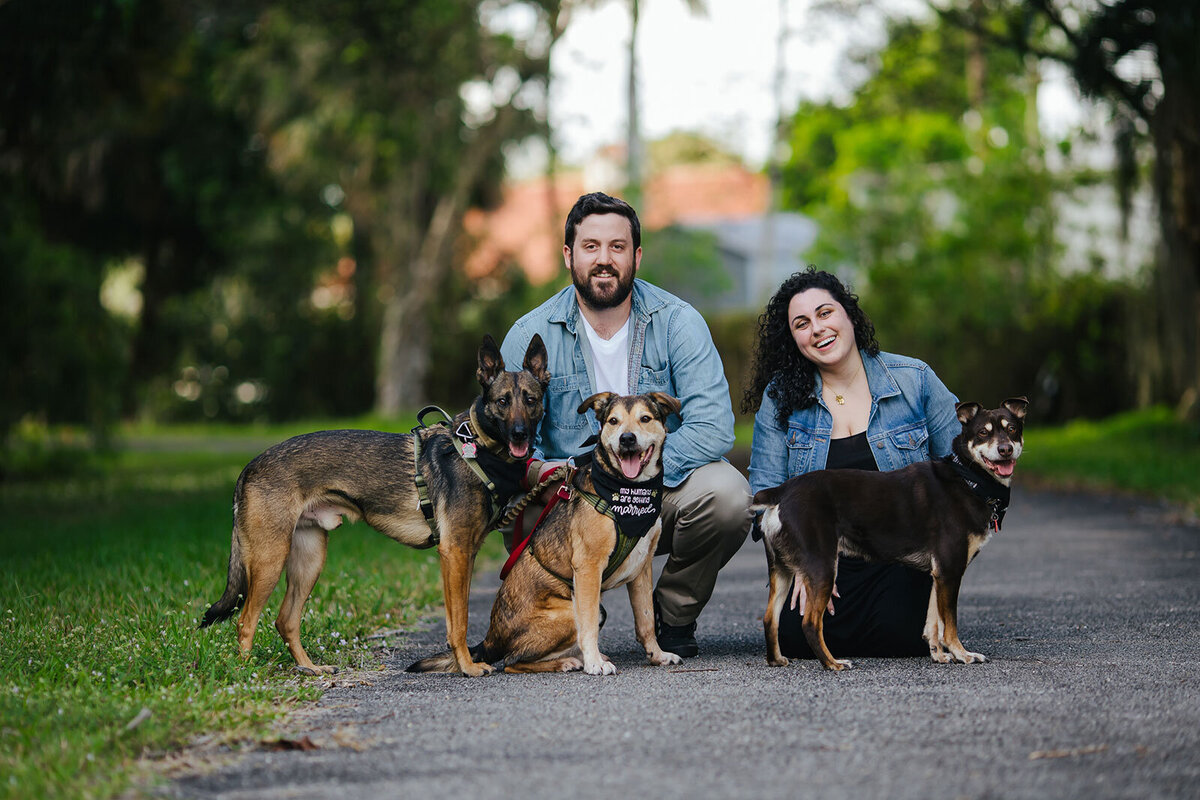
(933,516)
(546,617)
(288,499)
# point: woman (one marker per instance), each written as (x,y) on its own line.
(826,397)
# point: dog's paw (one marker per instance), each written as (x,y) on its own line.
(967,657)
(477,668)
(664,659)
(601,667)
(940,656)
(778,662)
(315,670)
(570,665)
(839,664)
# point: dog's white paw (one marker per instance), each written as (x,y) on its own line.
(940,656)
(840,664)
(601,667)
(967,657)
(664,659)
(571,665)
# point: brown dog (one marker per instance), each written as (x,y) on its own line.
(933,516)
(288,499)
(546,617)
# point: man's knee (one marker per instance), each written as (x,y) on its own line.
(715,498)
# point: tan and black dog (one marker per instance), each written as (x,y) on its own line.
(933,516)
(546,617)
(288,499)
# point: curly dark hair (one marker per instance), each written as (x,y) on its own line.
(778,363)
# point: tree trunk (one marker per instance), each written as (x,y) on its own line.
(1177,187)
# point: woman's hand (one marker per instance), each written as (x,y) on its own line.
(799,597)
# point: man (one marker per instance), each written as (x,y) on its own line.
(610,331)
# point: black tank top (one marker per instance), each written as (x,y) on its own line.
(851,452)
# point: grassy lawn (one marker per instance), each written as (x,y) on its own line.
(102,581)
(1149,453)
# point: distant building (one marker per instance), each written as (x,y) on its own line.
(728,201)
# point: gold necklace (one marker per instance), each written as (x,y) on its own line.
(841,398)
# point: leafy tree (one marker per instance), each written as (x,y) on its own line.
(1142,58)
(932,199)
(369,109)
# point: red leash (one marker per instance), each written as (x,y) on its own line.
(563,493)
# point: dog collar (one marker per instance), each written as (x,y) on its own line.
(995,494)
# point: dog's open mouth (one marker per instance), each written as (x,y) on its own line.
(1002,468)
(518,450)
(633,463)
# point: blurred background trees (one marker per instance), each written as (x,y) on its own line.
(254,210)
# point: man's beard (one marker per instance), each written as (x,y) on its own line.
(601,302)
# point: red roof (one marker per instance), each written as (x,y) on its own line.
(527,227)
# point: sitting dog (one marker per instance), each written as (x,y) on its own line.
(932,516)
(436,486)
(601,535)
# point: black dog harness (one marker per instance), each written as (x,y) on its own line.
(500,477)
(633,508)
(995,494)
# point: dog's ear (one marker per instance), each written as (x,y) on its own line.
(536,359)
(491,363)
(597,402)
(1017,406)
(667,405)
(967,411)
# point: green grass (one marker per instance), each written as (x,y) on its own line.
(102,581)
(1149,453)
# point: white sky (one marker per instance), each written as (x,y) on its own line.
(713,73)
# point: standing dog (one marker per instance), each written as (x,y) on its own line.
(288,499)
(932,516)
(546,617)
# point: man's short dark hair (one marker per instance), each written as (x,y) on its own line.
(601,203)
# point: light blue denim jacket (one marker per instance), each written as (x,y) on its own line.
(670,350)
(912,419)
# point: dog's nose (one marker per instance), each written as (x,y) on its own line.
(1005,449)
(518,434)
(628,440)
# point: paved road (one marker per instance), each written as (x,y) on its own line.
(1088,608)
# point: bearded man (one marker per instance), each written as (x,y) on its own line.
(613,332)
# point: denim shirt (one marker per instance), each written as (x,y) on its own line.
(670,350)
(912,419)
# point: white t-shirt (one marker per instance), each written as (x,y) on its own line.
(610,358)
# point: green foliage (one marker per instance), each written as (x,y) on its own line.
(63,357)
(685,262)
(102,582)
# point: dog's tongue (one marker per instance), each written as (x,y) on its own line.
(1004,468)
(631,466)
(518,450)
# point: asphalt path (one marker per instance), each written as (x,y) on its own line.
(1086,606)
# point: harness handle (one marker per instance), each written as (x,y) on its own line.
(445,420)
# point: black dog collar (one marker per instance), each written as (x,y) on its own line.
(995,494)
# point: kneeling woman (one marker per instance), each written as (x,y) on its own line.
(826,397)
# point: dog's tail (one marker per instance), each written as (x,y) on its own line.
(445,662)
(235,585)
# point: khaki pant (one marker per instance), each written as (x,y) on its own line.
(705,520)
